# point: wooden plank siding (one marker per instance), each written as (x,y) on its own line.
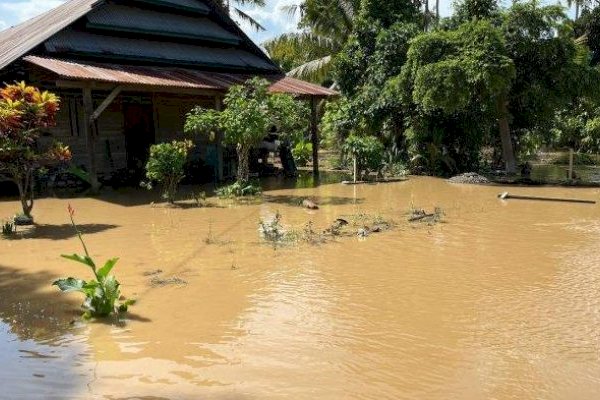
(169,118)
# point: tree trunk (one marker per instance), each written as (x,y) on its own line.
(426,19)
(25,186)
(508,153)
(243,172)
(314,135)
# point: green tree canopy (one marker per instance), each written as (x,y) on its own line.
(249,115)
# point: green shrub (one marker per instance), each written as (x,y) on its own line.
(302,153)
(238,189)
(368,151)
(578,159)
(166,166)
(102,293)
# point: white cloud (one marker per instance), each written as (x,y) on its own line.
(273,17)
(20,11)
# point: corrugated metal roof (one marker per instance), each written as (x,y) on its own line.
(20,39)
(89,44)
(189,5)
(132,19)
(169,77)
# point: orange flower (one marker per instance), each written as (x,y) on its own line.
(71,211)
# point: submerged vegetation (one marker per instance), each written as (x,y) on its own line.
(102,294)
(272,231)
(8,228)
(421,216)
(238,190)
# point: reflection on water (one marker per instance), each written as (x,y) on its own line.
(499,302)
(559,173)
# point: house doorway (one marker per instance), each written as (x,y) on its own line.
(139,136)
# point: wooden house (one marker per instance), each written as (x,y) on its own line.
(128,71)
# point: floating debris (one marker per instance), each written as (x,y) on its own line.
(161,282)
(420,215)
(152,273)
(508,196)
(470,178)
(310,205)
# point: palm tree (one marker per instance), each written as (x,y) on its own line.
(239,14)
(325,27)
(582,5)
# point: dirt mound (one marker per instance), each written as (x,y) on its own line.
(469,178)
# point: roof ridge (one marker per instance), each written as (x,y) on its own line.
(18,40)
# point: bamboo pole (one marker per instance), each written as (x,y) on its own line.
(570,164)
(508,196)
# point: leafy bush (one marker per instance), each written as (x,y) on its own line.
(238,189)
(102,294)
(250,113)
(367,150)
(166,166)
(302,153)
(578,159)
(24,110)
(394,170)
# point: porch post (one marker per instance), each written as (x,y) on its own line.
(314,135)
(219,139)
(89,128)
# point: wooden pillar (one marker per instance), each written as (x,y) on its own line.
(90,135)
(314,135)
(219,139)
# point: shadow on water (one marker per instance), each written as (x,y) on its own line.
(30,307)
(59,232)
(35,311)
(136,196)
(38,342)
(319,200)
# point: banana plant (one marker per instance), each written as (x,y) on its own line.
(102,294)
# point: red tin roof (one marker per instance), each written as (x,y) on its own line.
(173,77)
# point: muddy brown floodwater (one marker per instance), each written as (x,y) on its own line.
(501,301)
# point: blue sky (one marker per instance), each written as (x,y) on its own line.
(272,16)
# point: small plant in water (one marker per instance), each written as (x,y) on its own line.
(239,190)
(420,215)
(8,228)
(271,230)
(102,294)
(199,198)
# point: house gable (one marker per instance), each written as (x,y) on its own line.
(194,33)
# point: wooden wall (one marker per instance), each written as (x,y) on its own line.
(169,111)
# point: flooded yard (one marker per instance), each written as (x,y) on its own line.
(499,301)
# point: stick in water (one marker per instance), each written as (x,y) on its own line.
(508,196)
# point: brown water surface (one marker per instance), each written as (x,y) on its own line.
(501,301)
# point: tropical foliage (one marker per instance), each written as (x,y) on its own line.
(366,150)
(485,77)
(302,153)
(250,113)
(24,110)
(102,293)
(166,165)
